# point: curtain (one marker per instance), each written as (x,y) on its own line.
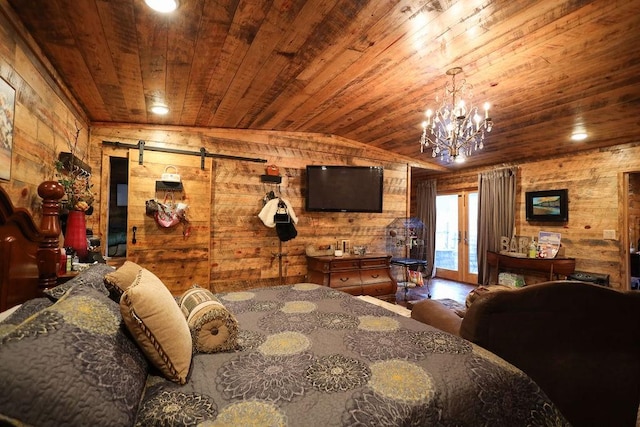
(426,212)
(496,213)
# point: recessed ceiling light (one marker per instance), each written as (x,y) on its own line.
(163,6)
(160,109)
(579,136)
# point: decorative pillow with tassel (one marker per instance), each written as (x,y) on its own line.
(213,327)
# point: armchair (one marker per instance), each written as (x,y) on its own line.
(580,342)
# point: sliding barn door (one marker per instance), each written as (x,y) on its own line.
(178,256)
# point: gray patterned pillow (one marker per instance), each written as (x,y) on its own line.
(92,277)
(26,309)
(71,364)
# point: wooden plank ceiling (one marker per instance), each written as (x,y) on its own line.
(361,69)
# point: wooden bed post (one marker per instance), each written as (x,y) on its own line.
(48,251)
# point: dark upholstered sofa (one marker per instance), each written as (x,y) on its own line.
(580,342)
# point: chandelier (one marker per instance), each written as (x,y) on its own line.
(454,131)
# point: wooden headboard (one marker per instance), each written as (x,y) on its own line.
(29,254)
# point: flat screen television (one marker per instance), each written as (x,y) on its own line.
(550,205)
(344,188)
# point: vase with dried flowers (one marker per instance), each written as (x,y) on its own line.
(75,178)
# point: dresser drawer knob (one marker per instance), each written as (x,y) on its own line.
(344,279)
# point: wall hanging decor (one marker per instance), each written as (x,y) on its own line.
(167,214)
(170,177)
(169,181)
(272,170)
(548,205)
(7,108)
(284,226)
(277,213)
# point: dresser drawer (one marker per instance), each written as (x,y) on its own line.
(380,289)
(345,279)
(374,275)
(318,277)
(344,264)
(374,262)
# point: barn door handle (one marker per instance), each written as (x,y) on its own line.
(134,229)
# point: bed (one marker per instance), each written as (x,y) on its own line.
(301,355)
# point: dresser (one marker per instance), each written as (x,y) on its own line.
(355,274)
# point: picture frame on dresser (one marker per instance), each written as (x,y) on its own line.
(7,112)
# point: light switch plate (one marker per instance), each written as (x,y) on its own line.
(609,234)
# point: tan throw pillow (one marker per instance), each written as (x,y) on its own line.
(118,281)
(157,324)
(213,327)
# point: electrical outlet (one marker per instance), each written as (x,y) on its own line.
(609,234)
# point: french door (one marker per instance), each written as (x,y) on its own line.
(457,236)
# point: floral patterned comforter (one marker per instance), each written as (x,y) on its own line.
(313,356)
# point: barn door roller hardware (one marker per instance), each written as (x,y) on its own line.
(202,153)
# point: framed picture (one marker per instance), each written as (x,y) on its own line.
(346,246)
(7,108)
(550,205)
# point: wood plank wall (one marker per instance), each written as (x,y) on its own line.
(45,116)
(593,179)
(634,211)
(242,248)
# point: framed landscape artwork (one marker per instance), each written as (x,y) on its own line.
(7,108)
(550,205)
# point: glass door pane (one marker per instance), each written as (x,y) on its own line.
(472,233)
(447,232)
(457,237)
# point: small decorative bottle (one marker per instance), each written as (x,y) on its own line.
(533,248)
(63,261)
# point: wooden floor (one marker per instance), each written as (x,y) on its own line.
(439,289)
